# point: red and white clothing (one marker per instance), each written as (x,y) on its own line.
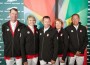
(29,44)
(11,38)
(78,41)
(13,25)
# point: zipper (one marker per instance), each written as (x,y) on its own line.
(12,47)
(77,38)
(42,47)
(34,43)
(12,41)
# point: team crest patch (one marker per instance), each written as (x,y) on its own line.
(47,35)
(18,29)
(40,33)
(28,32)
(7,29)
(80,30)
(61,34)
(71,30)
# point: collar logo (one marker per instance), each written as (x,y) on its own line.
(18,29)
(61,34)
(47,35)
(28,32)
(8,29)
(72,31)
(40,33)
(80,30)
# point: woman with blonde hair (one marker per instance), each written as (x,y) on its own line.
(29,42)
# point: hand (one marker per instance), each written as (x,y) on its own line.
(62,61)
(78,53)
(52,61)
(25,63)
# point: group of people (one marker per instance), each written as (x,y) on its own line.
(28,45)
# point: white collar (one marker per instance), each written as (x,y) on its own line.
(31,27)
(13,23)
(46,28)
(58,30)
(76,27)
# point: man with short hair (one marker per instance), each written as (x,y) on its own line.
(11,37)
(78,40)
(48,43)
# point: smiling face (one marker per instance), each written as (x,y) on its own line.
(46,22)
(31,21)
(58,25)
(13,15)
(75,19)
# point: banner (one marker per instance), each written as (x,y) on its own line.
(39,8)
